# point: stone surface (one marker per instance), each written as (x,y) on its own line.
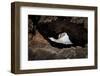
(40,49)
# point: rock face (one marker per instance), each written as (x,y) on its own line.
(38,41)
(40,49)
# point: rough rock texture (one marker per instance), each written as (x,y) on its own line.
(40,49)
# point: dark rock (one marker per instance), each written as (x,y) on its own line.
(40,48)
